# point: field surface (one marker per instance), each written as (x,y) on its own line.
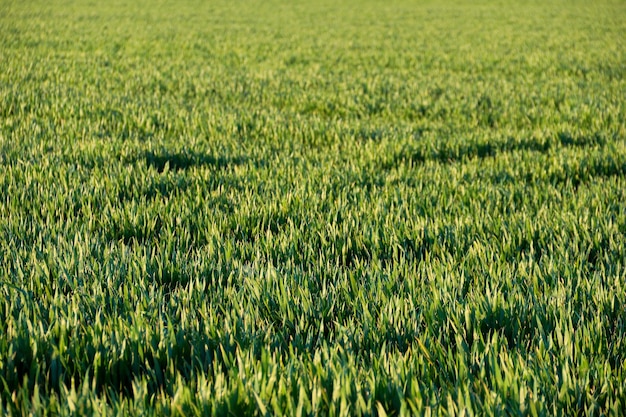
(312,207)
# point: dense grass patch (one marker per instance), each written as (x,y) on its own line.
(353,208)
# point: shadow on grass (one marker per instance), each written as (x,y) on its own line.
(449,153)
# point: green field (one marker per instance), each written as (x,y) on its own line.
(312,207)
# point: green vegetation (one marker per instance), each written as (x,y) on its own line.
(312,208)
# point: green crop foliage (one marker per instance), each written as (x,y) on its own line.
(297,208)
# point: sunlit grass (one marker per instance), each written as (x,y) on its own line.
(312,208)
